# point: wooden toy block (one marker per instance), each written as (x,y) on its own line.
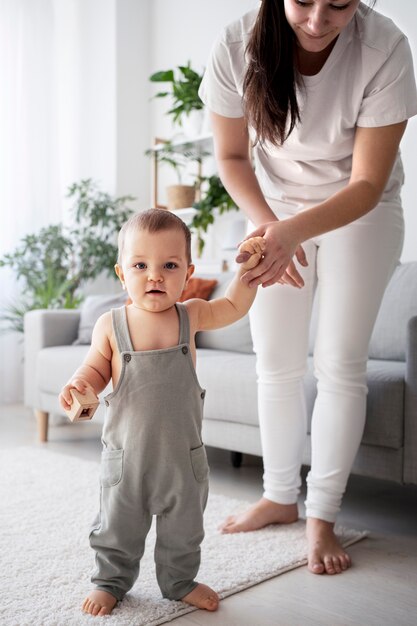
(84,405)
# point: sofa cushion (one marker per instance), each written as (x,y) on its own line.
(198,288)
(398,306)
(91,309)
(385,402)
(236,337)
(235,399)
(230,380)
(55,366)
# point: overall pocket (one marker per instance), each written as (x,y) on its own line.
(111,469)
(199,464)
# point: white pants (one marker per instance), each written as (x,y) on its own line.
(351,266)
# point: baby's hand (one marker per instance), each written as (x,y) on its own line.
(65,398)
(250,252)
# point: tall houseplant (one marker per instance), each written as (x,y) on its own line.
(214,199)
(52,264)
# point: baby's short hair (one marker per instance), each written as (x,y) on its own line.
(154,220)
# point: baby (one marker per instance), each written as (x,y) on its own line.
(153,459)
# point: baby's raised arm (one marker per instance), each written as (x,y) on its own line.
(95,371)
(238,297)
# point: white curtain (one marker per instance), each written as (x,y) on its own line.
(72,105)
(56,126)
(30,195)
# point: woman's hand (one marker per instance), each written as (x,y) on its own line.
(276,265)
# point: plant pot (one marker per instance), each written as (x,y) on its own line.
(192,123)
(180,196)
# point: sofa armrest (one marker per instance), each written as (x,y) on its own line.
(410,405)
(44,328)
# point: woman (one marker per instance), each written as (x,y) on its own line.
(323,90)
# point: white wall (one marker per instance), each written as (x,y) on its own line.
(133,53)
(404,14)
(86,84)
(183,30)
(103,65)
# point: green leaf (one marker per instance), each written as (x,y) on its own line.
(214,196)
(162,77)
(185,83)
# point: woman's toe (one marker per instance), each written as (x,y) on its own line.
(328,564)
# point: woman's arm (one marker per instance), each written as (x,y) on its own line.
(231,149)
(231,146)
(374,153)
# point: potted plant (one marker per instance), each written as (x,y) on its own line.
(214,198)
(55,262)
(185,83)
(180,195)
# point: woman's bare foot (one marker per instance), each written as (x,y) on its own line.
(325,554)
(99,603)
(262,513)
(203,598)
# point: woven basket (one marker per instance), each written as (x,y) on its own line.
(180,196)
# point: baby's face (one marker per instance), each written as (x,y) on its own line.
(155,268)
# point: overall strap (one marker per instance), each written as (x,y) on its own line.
(121,329)
(184,323)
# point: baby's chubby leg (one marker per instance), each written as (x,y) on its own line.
(203,597)
(99,603)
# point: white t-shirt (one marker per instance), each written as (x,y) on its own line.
(367,80)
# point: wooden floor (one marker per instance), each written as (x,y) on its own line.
(379,590)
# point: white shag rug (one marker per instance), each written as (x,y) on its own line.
(47,503)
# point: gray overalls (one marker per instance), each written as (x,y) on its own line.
(153,463)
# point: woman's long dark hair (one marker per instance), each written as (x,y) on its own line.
(269,88)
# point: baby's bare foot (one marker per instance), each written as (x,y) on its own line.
(262,513)
(203,598)
(325,554)
(99,603)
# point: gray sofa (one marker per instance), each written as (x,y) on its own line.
(226,368)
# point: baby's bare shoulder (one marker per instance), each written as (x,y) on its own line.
(102,334)
(197,309)
(104,324)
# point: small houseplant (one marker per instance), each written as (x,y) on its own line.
(55,262)
(214,197)
(179,196)
(185,83)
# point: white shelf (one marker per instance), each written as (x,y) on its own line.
(200,146)
(193,149)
